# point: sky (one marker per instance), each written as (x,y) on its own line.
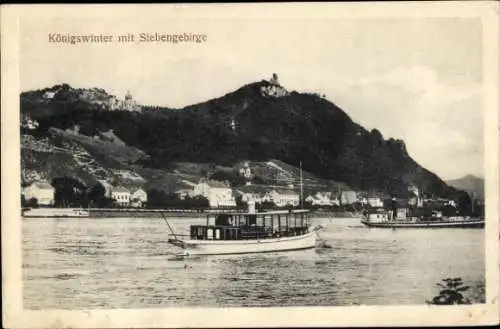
(416,79)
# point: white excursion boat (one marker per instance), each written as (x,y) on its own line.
(251,232)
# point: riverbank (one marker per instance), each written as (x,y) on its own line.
(134,212)
(115,212)
(336,214)
(146,213)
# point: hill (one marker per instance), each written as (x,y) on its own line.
(259,122)
(469,183)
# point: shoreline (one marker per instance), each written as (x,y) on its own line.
(131,212)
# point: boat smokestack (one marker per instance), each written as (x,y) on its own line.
(251,207)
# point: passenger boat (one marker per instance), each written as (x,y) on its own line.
(250,232)
(383,218)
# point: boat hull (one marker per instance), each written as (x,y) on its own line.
(442,224)
(232,247)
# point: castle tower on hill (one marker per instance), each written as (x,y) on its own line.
(274,80)
(129,104)
(274,89)
(128,95)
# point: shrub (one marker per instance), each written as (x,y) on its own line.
(451,293)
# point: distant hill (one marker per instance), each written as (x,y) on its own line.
(469,183)
(258,122)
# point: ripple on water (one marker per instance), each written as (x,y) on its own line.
(124,263)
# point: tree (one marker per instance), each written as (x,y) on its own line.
(464,203)
(449,210)
(96,196)
(451,293)
(198,202)
(377,136)
(156,198)
(308,205)
(32,203)
(58,140)
(266,205)
(240,204)
(69,192)
(478,210)
(233,178)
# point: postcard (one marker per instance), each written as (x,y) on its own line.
(235,165)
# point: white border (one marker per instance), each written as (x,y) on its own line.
(15,317)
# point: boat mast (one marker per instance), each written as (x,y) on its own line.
(472,202)
(301,187)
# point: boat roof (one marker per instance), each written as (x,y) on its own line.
(272,212)
(376,210)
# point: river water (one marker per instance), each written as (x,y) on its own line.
(126,263)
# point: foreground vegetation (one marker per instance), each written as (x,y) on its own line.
(453,292)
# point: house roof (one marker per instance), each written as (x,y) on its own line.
(254,189)
(121,189)
(216,184)
(401,203)
(370,194)
(285,192)
(184,189)
(42,185)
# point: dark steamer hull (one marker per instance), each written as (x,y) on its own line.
(442,224)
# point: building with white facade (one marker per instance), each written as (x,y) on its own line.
(121,195)
(43,192)
(138,198)
(282,197)
(416,202)
(322,199)
(218,194)
(253,193)
(348,197)
(374,201)
(246,171)
(183,193)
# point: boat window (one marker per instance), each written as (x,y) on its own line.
(217,234)
(276,223)
(260,221)
(268,221)
(210,233)
(283,223)
(223,220)
(243,221)
(252,220)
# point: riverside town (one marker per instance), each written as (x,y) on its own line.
(282,183)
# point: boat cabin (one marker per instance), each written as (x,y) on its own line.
(378,215)
(245,226)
